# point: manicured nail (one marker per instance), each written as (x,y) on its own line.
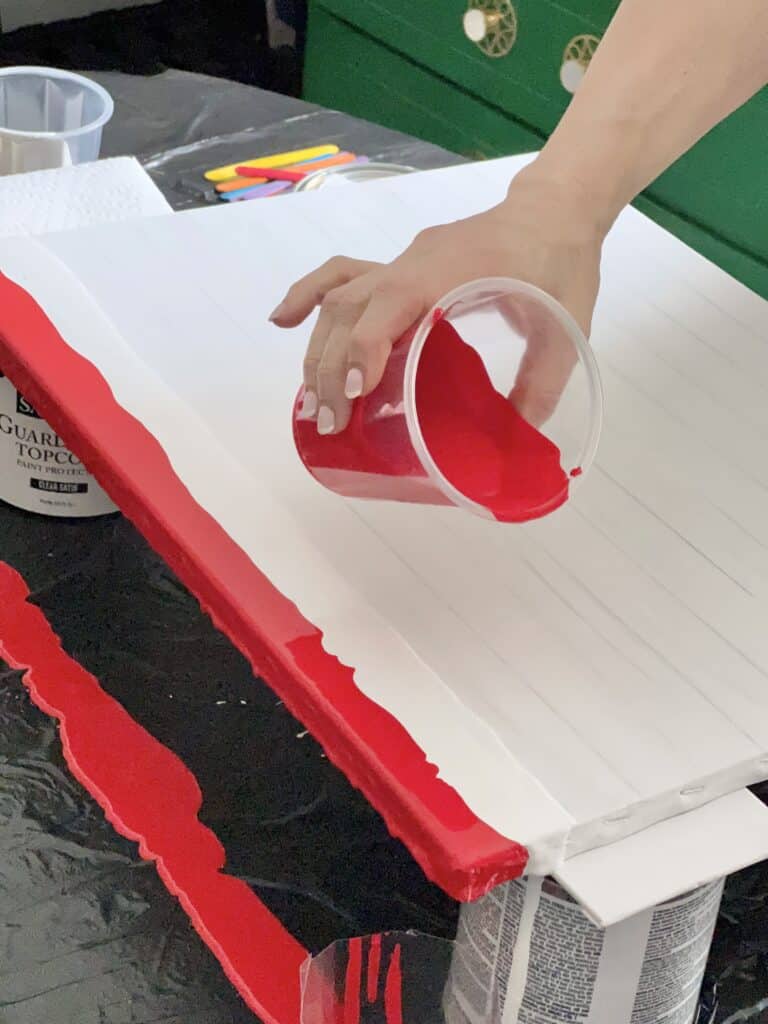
(354,385)
(309,405)
(278,312)
(326,420)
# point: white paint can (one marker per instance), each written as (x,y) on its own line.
(37,471)
(563,968)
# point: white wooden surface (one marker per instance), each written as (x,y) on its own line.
(576,679)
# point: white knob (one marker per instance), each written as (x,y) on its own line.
(475,25)
(571,74)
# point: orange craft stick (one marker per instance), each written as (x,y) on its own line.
(308,168)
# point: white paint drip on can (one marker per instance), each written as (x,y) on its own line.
(528,954)
(518,975)
(37,471)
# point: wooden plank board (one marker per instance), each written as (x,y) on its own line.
(573,681)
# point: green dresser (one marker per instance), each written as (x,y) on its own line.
(410,65)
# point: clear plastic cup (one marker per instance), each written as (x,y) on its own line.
(493,405)
(354,173)
(49,118)
(390,978)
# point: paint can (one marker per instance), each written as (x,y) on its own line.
(37,471)
(549,963)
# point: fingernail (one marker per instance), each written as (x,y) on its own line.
(354,385)
(277,312)
(326,420)
(309,405)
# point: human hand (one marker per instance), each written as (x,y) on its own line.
(540,234)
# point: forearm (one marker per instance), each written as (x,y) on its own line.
(665,73)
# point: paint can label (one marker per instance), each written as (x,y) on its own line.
(646,970)
(37,472)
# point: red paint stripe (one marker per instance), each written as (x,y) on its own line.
(455,849)
(393,991)
(353,982)
(374,968)
(120,763)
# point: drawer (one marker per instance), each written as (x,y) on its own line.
(721,184)
(425,105)
(366,78)
(525,82)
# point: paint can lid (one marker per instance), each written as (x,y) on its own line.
(353,173)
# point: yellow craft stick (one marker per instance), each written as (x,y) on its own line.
(278,160)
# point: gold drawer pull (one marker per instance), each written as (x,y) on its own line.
(578,53)
(491,25)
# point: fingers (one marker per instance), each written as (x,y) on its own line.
(357,327)
(306,294)
(544,372)
(312,359)
(326,363)
(335,408)
(391,311)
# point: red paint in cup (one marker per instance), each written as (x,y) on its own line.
(440,429)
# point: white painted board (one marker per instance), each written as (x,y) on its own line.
(680,854)
(577,679)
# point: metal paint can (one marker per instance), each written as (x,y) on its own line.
(37,471)
(352,174)
(532,948)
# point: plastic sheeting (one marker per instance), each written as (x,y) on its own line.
(88,933)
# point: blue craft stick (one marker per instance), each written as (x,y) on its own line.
(271,188)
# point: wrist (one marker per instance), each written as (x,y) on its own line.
(559,202)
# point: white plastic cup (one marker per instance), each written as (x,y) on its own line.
(533,353)
(49,118)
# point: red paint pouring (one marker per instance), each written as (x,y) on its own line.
(477,439)
(149,796)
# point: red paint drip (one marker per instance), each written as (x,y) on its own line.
(480,442)
(353,982)
(149,796)
(374,968)
(437,315)
(393,991)
(577,471)
(455,848)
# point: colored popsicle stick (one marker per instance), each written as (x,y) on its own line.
(272,188)
(277,160)
(271,173)
(307,166)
